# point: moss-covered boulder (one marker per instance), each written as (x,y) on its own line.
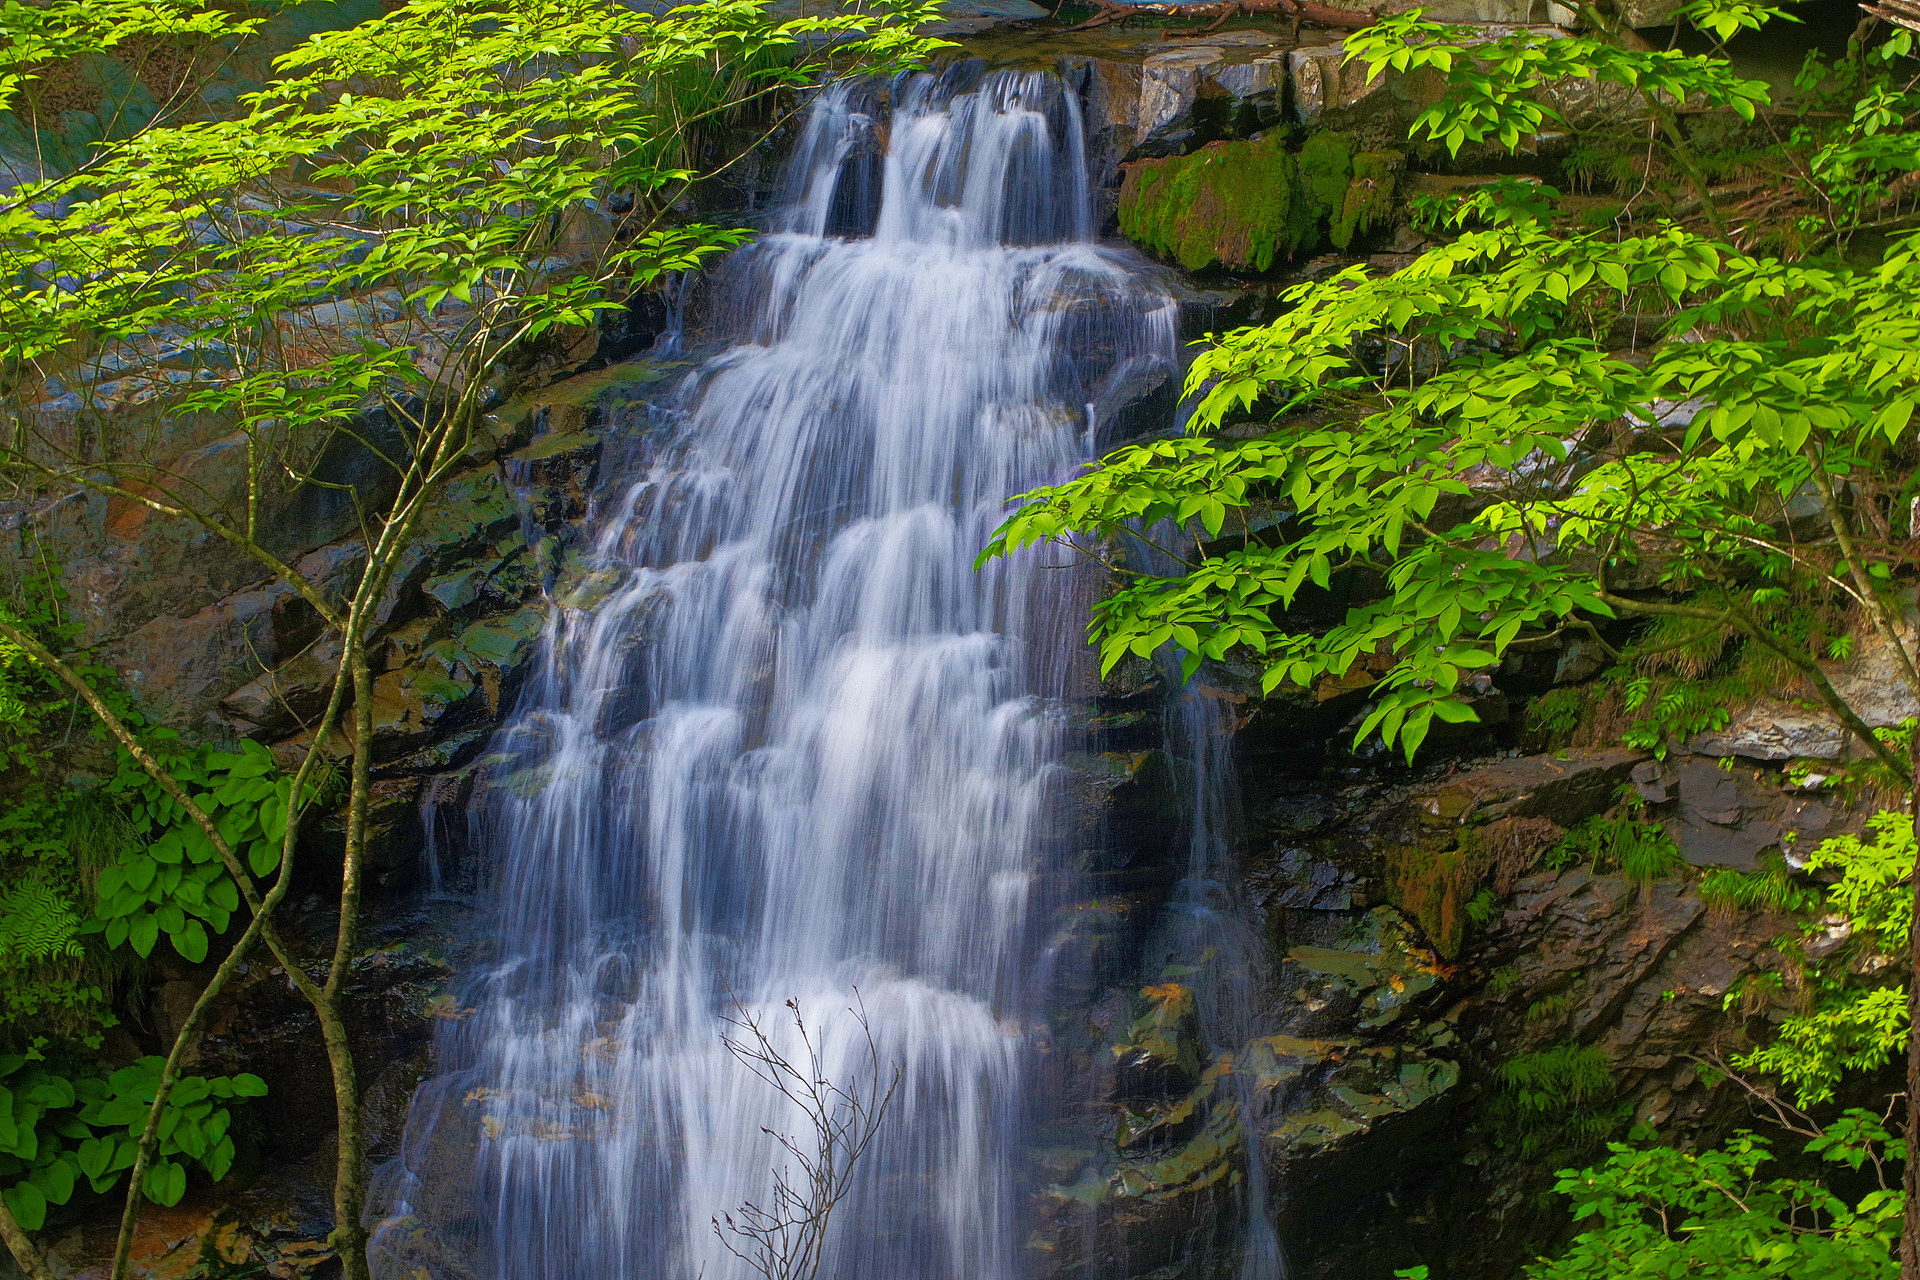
(1233,204)
(1243,205)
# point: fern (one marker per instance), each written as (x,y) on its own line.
(1640,851)
(1559,1101)
(37,923)
(1771,888)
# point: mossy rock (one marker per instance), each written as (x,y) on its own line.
(1242,205)
(1367,201)
(1237,205)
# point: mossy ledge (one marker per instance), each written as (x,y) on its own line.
(1242,205)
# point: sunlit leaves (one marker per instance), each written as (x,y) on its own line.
(1487,496)
(1503,89)
(1655,1212)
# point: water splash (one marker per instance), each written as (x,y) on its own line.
(800,747)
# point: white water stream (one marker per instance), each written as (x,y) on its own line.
(799,746)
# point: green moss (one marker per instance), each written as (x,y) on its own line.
(1326,167)
(1233,204)
(1241,205)
(1368,199)
(1434,886)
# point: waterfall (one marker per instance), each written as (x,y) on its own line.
(798,749)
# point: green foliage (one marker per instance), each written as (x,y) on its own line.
(171,881)
(40,34)
(1494,464)
(1498,202)
(1559,1100)
(1653,857)
(478,139)
(1483,908)
(1556,712)
(1499,89)
(51,835)
(1640,851)
(1502,980)
(1856,1021)
(1548,1008)
(57,1134)
(1771,888)
(1653,1213)
(1366,487)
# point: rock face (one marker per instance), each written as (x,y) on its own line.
(1385,1145)
(453,634)
(1873,681)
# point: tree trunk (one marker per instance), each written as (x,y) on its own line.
(350,1177)
(21,1247)
(1910,1175)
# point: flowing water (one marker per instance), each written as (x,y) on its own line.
(799,749)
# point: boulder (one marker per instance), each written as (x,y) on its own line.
(1873,684)
(179,668)
(1563,787)
(1770,729)
(1733,817)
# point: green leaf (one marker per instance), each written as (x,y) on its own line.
(28,1204)
(55,1181)
(191,942)
(140,871)
(262,857)
(166,1182)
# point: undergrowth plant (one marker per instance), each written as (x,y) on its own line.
(1560,1100)
(1651,1212)
(71,933)
(1855,1016)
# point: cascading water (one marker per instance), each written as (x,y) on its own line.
(800,747)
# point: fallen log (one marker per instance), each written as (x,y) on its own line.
(1901,12)
(1296,11)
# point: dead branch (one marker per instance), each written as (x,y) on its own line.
(1902,13)
(1297,11)
(785,1239)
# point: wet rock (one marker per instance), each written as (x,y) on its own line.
(1563,787)
(1653,780)
(1137,795)
(265,1027)
(1734,817)
(179,668)
(1648,13)
(1580,659)
(1503,12)
(1324,81)
(1298,816)
(288,697)
(1296,879)
(1377,973)
(1191,94)
(1874,682)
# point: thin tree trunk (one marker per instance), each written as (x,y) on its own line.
(183,1043)
(349,1184)
(1910,1175)
(21,1247)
